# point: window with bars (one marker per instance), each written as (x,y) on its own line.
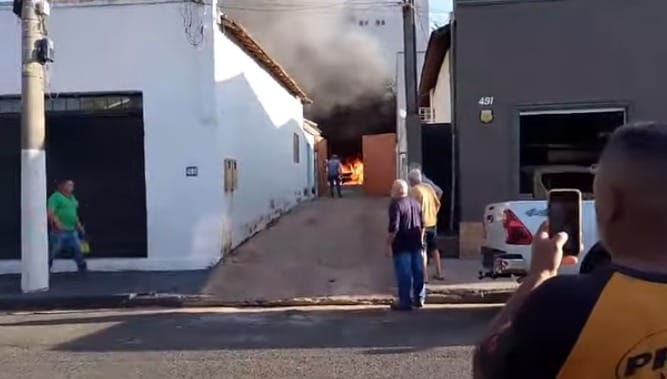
(79,103)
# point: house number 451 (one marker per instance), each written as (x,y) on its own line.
(485,101)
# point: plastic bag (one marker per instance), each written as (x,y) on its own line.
(85,247)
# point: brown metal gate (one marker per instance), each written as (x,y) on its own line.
(322,154)
(379,151)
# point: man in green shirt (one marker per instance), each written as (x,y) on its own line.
(66,228)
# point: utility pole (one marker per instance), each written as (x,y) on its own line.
(412,120)
(34,233)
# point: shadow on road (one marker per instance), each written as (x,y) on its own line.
(374,331)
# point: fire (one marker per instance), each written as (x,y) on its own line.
(353,171)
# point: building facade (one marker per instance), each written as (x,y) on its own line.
(218,131)
(543,83)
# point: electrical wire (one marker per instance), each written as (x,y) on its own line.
(255,5)
(304,7)
(319,4)
(309,5)
(268,6)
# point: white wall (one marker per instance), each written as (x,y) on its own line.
(201,105)
(310,164)
(441,99)
(258,119)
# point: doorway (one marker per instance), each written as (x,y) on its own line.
(437,165)
(350,153)
(564,138)
(380,163)
(97,140)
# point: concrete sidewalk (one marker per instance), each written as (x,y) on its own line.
(185,289)
(326,252)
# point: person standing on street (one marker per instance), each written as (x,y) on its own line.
(430,206)
(334,172)
(426,180)
(610,323)
(66,228)
(404,243)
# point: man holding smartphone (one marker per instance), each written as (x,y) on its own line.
(611,323)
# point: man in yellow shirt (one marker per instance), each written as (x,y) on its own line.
(430,204)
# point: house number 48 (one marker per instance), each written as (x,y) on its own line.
(485,101)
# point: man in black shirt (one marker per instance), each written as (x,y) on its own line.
(611,323)
(405,242)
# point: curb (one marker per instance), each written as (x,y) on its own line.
(158,300)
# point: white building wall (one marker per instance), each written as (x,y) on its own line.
(201,104)
(390,34)
(141,48)
(258,120)
(441,99)
(310,164)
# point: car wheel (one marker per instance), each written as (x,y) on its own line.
(596,258)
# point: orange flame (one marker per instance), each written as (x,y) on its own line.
(353,171)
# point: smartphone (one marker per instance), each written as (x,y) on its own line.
(564,211)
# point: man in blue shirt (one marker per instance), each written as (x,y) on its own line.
(334,172)
(405,242)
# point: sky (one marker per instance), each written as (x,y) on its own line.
(440,11)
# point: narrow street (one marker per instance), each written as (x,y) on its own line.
(321,343)
(328,247)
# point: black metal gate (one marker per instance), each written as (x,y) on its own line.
(437,165)
(97,141)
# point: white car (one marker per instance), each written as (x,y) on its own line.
(509,229)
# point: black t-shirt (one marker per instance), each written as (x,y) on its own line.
(405,219)
(608,324)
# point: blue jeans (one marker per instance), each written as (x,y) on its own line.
(66,240)
(409,267)
(334,182)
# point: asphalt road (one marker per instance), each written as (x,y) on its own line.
(222,343)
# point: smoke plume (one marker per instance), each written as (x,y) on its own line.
(337,64)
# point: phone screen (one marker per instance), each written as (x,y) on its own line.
(565,216)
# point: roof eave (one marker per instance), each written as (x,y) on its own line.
(437,48)
(311,127)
